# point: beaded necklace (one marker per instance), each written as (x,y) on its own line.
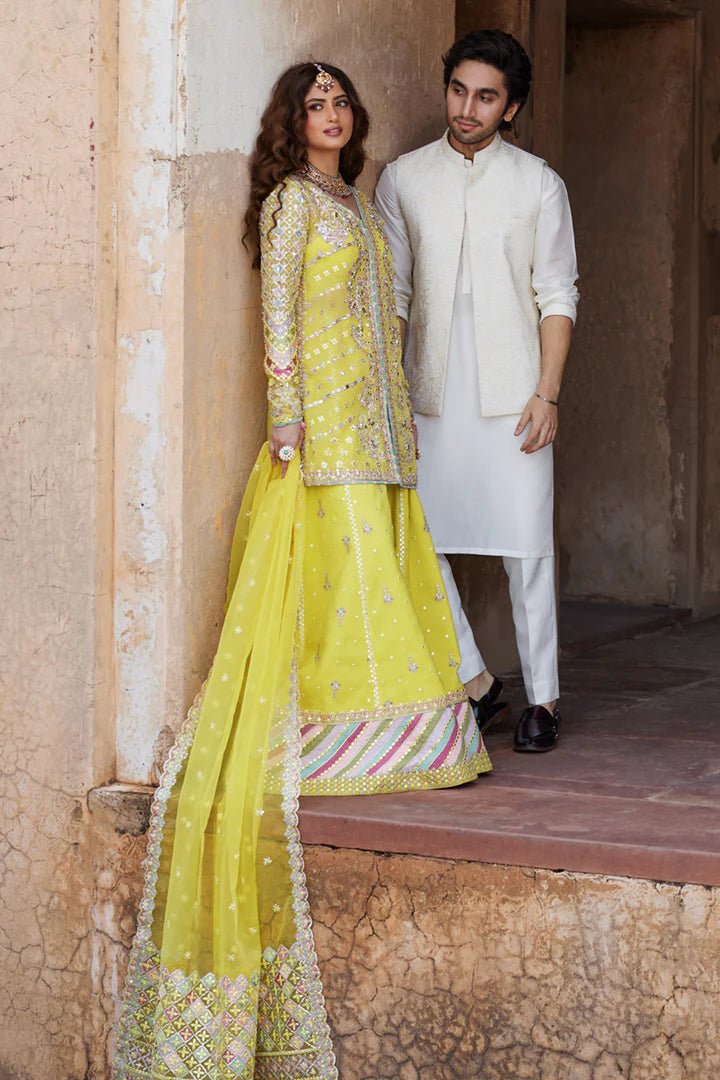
(332,185)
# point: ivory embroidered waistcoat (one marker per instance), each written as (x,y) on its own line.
(497,198)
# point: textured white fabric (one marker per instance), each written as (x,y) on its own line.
(471,662)
(514,212)
(481,495)
(532,595)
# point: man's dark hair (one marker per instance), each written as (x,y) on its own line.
(503,52)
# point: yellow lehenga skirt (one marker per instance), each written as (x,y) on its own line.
(336,673)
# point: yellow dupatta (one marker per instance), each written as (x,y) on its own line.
(223,981)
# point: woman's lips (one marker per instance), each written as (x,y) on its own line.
(333,131)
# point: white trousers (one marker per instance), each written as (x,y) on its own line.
(532,595)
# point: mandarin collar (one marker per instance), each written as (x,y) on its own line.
(481,159)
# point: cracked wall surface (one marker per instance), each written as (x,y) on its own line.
(56,400)
(440,970)
(443,970)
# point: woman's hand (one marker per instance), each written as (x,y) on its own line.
(415,437)
(287,435)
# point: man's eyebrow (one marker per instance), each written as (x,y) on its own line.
(481,90)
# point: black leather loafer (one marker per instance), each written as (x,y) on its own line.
(537,730)
(488,710)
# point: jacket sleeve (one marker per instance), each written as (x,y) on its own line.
(554,263)
(284,221)
(386,201)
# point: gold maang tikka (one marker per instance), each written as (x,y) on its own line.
(323,80)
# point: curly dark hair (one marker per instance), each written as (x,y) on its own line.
(281,149)
(501,51)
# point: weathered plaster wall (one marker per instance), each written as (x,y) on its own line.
(512,16)
(442,970)
(437,970)
(624,481)
(149,419)
(708,593)
(55,539)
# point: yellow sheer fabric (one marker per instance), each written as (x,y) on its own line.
(223,980)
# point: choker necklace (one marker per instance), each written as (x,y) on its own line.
(332,185)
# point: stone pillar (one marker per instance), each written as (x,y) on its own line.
(56,534)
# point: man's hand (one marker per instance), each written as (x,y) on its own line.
(543,419)
(287,435)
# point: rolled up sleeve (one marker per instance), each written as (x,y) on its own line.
(555,270)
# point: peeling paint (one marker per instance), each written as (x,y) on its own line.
(153,22)
(144,403)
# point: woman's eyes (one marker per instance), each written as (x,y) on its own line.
(317,106)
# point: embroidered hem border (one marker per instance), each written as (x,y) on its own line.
(148,981)
(386,712)
(394,783)
(313,478)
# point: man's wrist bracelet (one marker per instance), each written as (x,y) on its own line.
(547,399)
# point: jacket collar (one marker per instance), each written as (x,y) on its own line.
(481,160)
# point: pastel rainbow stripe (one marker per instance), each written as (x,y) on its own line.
(439,748)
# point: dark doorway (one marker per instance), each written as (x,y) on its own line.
(626,462)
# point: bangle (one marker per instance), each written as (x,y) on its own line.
(547,399)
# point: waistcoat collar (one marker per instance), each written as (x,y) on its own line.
(481,159)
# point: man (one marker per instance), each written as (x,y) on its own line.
(485,269)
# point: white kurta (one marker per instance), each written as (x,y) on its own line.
(480,494)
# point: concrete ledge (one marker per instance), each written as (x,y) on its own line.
(485,824)
(632,790)
(551,830)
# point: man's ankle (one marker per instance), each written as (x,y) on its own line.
(479,685)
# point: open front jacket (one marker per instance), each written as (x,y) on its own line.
(332,342)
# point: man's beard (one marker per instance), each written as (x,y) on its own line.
(477,135)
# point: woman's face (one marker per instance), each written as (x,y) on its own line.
(329,118)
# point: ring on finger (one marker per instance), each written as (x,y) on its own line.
(286,453)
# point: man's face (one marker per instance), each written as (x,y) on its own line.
(477,103)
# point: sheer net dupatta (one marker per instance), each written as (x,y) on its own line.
(223,979)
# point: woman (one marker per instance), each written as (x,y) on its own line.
(336,671)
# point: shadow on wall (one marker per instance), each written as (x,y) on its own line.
(625,449)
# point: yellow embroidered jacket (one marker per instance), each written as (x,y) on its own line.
(332,341)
